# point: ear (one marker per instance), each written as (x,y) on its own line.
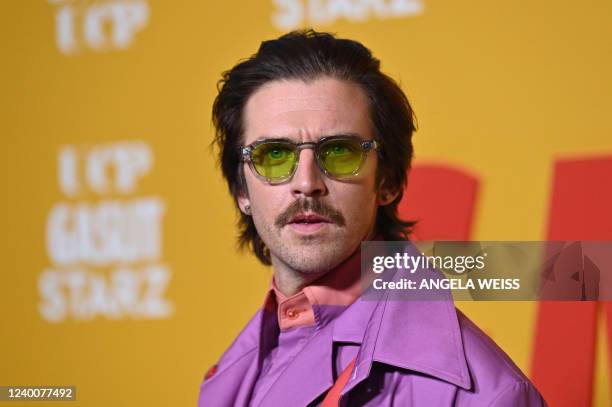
(244,203)
(386,194)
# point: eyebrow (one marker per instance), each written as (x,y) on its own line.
(285,138)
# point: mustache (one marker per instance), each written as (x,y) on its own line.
(312,205)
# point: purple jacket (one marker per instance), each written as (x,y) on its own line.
(412,353)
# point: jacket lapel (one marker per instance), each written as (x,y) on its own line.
(307,377)
(422,336)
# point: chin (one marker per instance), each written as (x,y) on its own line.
(316,260)
(313,267)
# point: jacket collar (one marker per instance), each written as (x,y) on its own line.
(422,336)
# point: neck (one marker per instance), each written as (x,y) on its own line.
(290,281)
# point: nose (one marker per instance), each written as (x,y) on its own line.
(308,180)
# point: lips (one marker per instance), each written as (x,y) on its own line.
(303,218)
(309,212)
(308,223)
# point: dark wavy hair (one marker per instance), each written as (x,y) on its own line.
(308,55)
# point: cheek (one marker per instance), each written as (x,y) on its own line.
(253,187)
(356,201)
(264,199)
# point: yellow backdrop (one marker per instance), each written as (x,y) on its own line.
(120,271)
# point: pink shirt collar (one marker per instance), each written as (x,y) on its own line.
(340,287)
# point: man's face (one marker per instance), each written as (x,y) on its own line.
(312,222)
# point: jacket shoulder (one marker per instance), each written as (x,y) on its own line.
(245,343)
(495,377)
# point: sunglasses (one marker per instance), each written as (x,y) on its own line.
(339,157)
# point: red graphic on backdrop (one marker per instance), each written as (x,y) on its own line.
(566,332)
(442,199)
(565,336)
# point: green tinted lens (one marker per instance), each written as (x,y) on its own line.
(274,160)
(341,157)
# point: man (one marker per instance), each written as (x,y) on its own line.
(315,144)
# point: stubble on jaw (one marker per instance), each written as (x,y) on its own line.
(309,259)
(308,254)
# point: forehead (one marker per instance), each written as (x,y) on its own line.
(307,111)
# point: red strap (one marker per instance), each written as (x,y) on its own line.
(333,395)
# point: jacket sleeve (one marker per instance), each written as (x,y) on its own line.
(519,394)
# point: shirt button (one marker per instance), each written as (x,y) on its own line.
(292,314)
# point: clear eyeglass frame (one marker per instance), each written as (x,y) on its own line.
(246,155)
